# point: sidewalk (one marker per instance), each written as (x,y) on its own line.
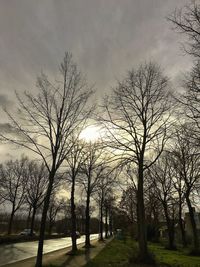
(62,259)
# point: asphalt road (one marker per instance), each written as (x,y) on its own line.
(19,251)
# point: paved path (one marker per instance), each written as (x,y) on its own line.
(20,251)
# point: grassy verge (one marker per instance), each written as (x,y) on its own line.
(174,258)
(117,254)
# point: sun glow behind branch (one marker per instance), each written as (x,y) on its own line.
(91,134)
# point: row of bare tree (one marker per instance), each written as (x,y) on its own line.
(171,187)
(137,117)
(49,124)
(22,181)
(89,167)
(24,185)
(154,120)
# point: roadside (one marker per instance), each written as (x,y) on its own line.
(15,252)
(62,258)
(122,253)
(112,253)
(81,259)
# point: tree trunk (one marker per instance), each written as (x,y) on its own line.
(156,224)
(43,220)
(106,222)
(82,223)
(50,227)
(171,235)
(11,220)
(110,222)
(193,224)
(182,229)
(170,228)
(33,220)
(87,221)
(28,218)
(142,237)
(73,217)
(101,221)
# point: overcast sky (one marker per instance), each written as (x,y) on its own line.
(106,37)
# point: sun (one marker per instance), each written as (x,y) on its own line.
(91,134)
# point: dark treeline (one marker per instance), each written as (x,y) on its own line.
(23,188)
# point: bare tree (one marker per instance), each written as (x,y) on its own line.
(56,205)
(136,118)
(80,215)
(187,156)
(74,162)
(47,121)
(108,206)
(128,203)
(186,21)
(103,191)
(92,171)
(2,199)
(153,208)
(111,207)
(161,174)
(36,188)
(14,180)
(179,185)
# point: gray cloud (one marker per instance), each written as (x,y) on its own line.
(5,102)
(107,37)
(7,128)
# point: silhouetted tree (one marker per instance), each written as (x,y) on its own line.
(179,185)
(128,203)
(103,192)
(46,122)
(186,21)
(92,172)
(36,188)
(161,174)
(14,177)
(74,162)
(109,206)
(80,215)
(187,156)
(136,118)
(153,210)
(56,205)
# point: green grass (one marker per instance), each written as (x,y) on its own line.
(115,254)
(174,258)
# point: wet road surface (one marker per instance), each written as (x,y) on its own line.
(19,251)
